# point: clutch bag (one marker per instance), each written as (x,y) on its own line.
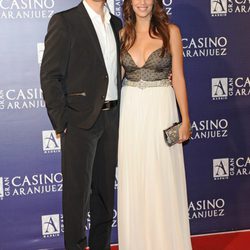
(171,134)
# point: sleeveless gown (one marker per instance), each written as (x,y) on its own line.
(152,196)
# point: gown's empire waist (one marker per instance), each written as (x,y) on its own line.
(147,84)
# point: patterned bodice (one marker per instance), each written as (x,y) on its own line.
(155,68)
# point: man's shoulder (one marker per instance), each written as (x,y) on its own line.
(67,13)
(114,17)
(116,20)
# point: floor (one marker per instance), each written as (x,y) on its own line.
(239,240)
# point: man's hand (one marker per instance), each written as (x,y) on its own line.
(58,136)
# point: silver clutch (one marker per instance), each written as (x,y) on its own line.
(171,134)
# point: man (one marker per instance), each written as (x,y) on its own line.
(80,79)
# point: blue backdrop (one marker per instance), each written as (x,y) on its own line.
(216,42)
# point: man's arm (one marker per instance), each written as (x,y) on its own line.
(53,71)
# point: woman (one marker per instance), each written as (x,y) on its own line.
(152,199)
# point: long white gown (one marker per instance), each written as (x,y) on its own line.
(152,196)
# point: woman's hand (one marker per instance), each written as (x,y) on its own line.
(184,132)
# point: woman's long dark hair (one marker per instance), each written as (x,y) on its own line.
(158,26)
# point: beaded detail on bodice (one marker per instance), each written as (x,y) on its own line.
(155,68)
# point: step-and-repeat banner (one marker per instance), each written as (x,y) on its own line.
(216,41)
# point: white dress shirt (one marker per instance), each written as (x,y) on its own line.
(107,42)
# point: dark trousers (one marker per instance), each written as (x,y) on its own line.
(89,159)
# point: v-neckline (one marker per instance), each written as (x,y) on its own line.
(146,60)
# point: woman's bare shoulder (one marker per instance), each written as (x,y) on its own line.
(175,39)
(174,30)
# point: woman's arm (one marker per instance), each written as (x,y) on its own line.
(178,80)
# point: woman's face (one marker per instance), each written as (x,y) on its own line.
(142,8)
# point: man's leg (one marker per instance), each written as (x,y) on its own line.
(78,151)
(102,196)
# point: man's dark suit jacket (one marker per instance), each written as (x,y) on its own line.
(74,78)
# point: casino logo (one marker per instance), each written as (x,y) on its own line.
(219,88)
(240,166)
(205,46)
(226,168)
(52,225)
(40,51)
(204,209)
(4,187)
(229,7)
(36,184)
(26,9)
(21,99)
(221,168)
(168,6)
(114,223)
(51,143)
(1,188)
(210,129)
(227,87)
(218,7)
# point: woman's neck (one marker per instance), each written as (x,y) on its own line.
(142,25)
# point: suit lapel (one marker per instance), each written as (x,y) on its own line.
(117,39)
(86,21)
